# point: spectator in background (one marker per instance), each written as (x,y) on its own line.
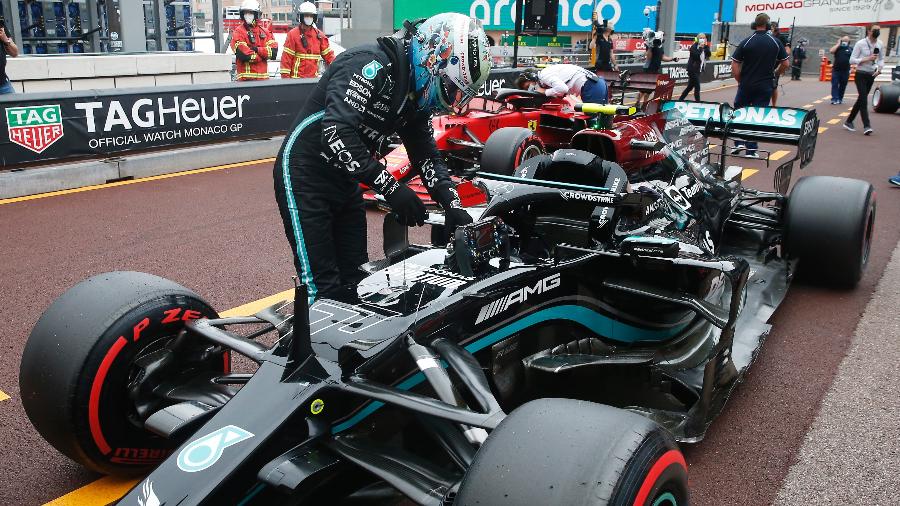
(606,59)
(7,47)
(305,46)
(696,62)
(785,41)
(868,56)
(840,69)
(253,45)
(654,57)
(799,54)
(754,65)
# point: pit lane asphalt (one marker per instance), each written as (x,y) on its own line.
(219,234)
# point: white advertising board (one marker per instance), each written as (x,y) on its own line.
(820,12)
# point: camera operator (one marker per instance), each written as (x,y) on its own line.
(7,47)
(653,57)
(754,64)
(699,54)
(868,56)
(606,60)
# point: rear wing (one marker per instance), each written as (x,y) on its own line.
(776,125)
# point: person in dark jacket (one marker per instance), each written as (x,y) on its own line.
(840,69)
(367,94)
(799,54)
(754,65)
(699,53)
(603,46)
(786,42)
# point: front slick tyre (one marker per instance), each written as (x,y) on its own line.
(91,366)
(563,451)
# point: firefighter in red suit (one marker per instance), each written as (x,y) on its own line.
(253,45)
(305,46)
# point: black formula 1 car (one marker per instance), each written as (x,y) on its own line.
(551,353)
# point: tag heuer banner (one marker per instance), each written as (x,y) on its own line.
(821,12)
(97,124)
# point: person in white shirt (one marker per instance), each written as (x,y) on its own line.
(868,56)
(565,79)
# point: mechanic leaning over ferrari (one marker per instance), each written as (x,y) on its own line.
(369,93)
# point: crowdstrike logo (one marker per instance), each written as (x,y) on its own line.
(521,295)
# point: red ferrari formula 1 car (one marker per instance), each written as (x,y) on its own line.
(515,125)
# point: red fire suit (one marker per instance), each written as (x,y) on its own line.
(303,48)
(253,47)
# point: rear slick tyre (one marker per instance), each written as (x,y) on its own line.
(564,451)
(507,148)
(829,224)
(80,361)
(886,98)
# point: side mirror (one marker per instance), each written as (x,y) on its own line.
(640,145)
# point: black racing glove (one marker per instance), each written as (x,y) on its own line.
(406,204)
(455,217)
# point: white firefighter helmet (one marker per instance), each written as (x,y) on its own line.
(250,5)
(307,8)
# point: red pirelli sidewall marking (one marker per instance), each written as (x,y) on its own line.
(667,459)
(96,388)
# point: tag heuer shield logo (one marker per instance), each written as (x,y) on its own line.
(34,127)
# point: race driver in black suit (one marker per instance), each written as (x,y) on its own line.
(367,94)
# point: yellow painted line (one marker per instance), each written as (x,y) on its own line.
(132,181)
(110,489)
(844,114)
(257,305)
(3,396)
(778,155)
(817,102)
(809,106)
(822,129)
(826,97)
(747,173)
(106,490)
(834,121)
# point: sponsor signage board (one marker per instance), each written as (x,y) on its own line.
(98,124)
(573,15)
(821,12)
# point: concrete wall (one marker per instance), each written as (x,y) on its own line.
(38,74)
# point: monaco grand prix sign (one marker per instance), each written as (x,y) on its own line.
(820,12)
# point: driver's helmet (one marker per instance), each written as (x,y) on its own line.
(450,61)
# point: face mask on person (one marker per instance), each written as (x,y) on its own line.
(308,20)
(701,41)
(249,18)
(532,87)
(875,33)
(844,43)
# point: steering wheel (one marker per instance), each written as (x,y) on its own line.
(475,244)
